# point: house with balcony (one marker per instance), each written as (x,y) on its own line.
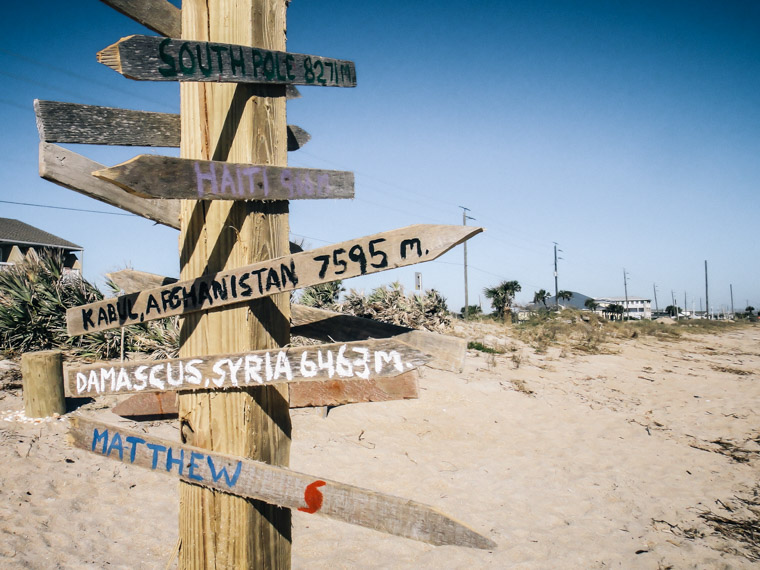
(633,307)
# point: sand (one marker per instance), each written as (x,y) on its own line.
(565,460)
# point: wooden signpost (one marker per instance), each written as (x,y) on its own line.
(371,254)
(228,195)
(275,485)
(88,124)
(167,59)
(445,352)
(355,360)
(153,176)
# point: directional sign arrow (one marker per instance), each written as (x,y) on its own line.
(362,256)
(165,59)
(275,485)
(60,122)
(153,176)
(353,360)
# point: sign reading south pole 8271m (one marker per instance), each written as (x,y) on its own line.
(165,59)
(371,254)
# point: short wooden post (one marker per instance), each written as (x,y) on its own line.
(236,123)
(42,374)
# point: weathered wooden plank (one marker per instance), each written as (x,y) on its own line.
(152,404)
(73,171)
(59,122)
(370,254)
(275,485)
(168,177)
(339,392)
(302,394)
(166,59)
(446,352)
(158,15)
(355,360)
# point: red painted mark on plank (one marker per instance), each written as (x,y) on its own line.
(313,497)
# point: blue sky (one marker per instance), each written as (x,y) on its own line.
(626,132)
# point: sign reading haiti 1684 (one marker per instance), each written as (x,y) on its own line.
(346,361)
(371,254)
(153,176)
(166,59)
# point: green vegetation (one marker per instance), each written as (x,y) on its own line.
(475,345)
(34,296)
(501,296)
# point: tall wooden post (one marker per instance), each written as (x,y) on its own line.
(246,124)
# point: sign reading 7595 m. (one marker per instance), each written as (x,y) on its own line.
(371,254)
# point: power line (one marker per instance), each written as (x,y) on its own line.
(63,208)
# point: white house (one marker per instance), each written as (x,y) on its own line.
(635,307)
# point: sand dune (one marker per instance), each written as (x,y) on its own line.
(565,460)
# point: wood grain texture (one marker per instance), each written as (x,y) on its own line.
(73,171)
(274,485)
(167,177)
(339,392)
(160,16)
(446,352)
(244,124)
(362,256)
(42,376)
(356,360)
(150,58)
(59,122)
(163,405)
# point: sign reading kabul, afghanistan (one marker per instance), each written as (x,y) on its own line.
(274,485)
(153,176)
(166,59)
(371,254)
(365,359)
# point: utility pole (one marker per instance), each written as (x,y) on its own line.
(625,285)
(707,297)
(675,304)
(465,217)
(684,302)
(656,306)
(731,286)
(556,287)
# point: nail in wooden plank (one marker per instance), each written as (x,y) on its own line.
(275,485)
(370,254)
(153,58)
(167,177)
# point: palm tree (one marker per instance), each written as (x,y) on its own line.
(501,296)
(591,304)
(615,309)
(540,296)
(564,295)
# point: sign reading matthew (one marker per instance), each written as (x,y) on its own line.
(371,254)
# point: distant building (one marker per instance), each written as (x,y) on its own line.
(18,240)
(635,307)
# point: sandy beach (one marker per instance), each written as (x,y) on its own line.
(626,458)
